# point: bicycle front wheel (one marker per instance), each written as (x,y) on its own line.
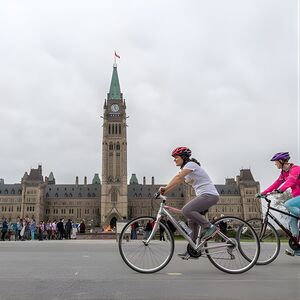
(141,256)
(235,247)
(269,241)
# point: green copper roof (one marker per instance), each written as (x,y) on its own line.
(133,179)
(96,179)
(51,179)
(114,91)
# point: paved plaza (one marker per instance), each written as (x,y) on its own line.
(55,270)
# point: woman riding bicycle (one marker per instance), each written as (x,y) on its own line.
(206,194)
(289,178)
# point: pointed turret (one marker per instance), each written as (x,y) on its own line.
(114,91)
(133,179)
(51,179)
(96,179)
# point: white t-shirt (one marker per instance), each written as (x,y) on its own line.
(199,180)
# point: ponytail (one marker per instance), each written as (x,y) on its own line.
(187,159)
(195,161)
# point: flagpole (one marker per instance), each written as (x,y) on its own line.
(115,58)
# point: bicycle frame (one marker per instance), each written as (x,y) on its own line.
(269,214)
(164,211)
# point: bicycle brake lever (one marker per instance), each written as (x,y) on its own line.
(156,195)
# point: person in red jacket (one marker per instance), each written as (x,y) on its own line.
(289,178)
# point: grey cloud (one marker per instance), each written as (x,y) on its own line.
(209,75)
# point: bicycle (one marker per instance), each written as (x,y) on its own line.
(268,235)
(236,252)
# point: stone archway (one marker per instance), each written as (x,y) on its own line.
(113,222)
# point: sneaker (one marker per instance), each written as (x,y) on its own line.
(186,256)
(207,232)
(290,252)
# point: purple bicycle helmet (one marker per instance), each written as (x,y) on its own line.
(281,156)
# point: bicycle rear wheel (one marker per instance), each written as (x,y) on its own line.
(230,250)
(269,241)
(143,257)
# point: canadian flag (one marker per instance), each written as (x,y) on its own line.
(116,55)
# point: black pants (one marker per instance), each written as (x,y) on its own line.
(68,234)
(60,235)
(161,235)
(3,235)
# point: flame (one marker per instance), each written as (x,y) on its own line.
(107,229)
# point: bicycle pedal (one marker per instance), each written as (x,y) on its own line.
(187,257)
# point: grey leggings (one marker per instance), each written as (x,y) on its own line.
(192,212)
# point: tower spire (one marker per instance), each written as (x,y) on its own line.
(115,90)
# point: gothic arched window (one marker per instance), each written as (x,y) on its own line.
(114,196)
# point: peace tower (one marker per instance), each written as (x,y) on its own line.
(114,196)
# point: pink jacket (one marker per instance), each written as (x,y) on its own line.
(289,179)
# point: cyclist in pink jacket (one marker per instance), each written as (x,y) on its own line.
(289,178)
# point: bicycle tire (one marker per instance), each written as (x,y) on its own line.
(269,241)
(228,255)
(144,258)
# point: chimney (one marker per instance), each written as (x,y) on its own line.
(85,180)
(40,169)
(144,180)
(152,182)
(76,180)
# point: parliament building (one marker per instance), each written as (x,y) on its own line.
(103,202)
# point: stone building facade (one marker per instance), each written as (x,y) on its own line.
(237,197)
(104,202)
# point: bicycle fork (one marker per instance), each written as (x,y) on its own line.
(155,227)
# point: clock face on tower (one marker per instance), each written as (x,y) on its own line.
(114,108)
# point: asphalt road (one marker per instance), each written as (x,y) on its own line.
(55,270)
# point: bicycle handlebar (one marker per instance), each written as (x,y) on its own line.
(158,195)
(266,197)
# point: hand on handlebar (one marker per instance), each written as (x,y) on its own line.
(278,191)
(158,195)
(162,190)
(275,192)
(259,196)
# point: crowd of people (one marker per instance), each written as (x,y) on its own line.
(29,229)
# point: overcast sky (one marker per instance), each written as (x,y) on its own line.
(220,77)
